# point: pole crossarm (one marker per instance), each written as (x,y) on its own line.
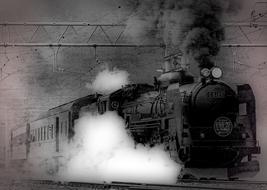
(243,45)
(245,24)
(77,45)
(57,24)
(111,32)
(111,45)
(226,24)
(110,38)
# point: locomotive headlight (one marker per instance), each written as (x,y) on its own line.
(205,72)
(216,72)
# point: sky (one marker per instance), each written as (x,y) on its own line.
(28,85)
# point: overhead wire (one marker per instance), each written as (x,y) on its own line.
(56,54)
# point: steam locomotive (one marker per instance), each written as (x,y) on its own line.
(202,124)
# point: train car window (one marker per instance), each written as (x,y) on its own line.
(61,128)
(39,134)
(30,136)
(52,131)
(66,128)
(44,138)
(33,135)
(44,133)
(57,134)
(127,121)
(99,108)
(104,106)
(36,135)
(47,134)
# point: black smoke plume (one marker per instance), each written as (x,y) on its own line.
(194,26)
(200,30)
(205,32)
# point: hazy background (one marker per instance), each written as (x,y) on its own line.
(28,85)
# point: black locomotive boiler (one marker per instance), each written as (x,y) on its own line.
(202,124)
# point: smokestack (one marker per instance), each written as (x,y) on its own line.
(167,66)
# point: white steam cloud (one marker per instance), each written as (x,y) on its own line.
(103,151)
(108,81)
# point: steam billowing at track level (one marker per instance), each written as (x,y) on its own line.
(103,151)
(100,148)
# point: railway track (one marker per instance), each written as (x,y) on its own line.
(183,185)
(223,181)
(238,184)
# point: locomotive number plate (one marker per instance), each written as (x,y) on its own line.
(216,94)
(223,126)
